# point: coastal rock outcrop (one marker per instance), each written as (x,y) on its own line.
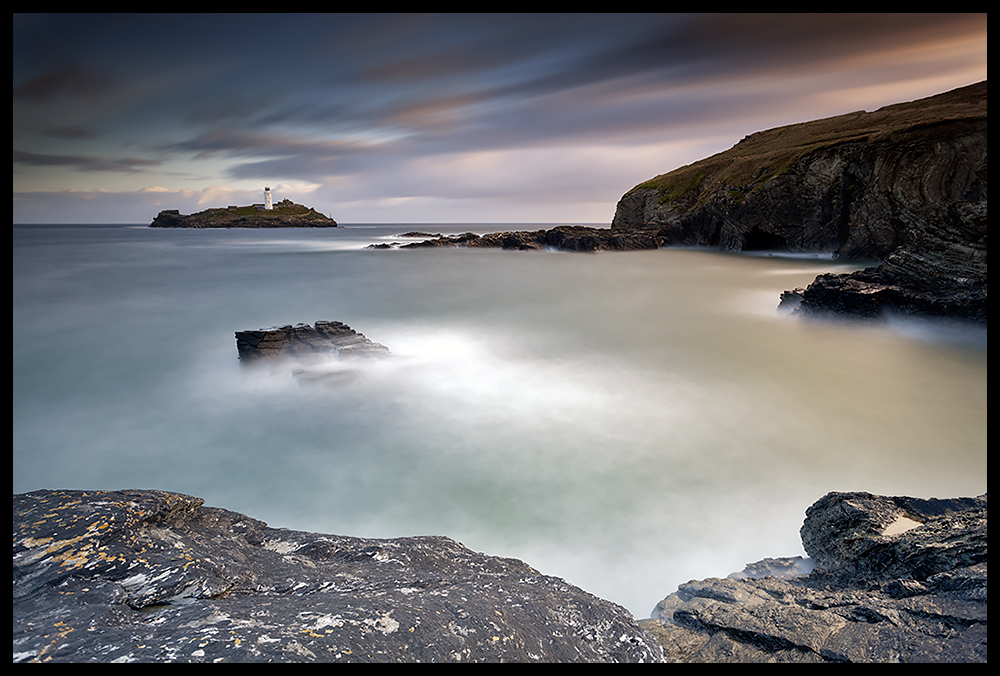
(302,342)
(579,238)
(904,186)
(152,576)
(893,579)
(285,214)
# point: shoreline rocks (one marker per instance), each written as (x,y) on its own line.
(152,576)
(895,579)
(578,238)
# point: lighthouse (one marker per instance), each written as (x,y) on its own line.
(268,205)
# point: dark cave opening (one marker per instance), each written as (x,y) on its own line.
(758,240)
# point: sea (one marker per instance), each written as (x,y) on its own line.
(624,421)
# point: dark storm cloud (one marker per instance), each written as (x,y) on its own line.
(513,79)
(64,83)
(71,132)
(85,163)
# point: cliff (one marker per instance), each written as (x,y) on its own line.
(285,214)
(903,186)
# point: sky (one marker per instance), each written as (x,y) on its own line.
(433,118)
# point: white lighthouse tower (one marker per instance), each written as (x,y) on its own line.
(268,205)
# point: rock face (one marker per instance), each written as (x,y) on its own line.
(896,579)
(904,185)
(150,576)
(285,214)
(302,341)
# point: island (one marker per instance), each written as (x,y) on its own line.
(283,214)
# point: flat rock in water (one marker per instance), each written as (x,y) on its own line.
(302,341)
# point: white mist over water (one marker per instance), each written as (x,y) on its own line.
(624,421)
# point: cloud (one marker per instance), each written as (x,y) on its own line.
(85,163)
(71,82)
(403,105)
(71,132)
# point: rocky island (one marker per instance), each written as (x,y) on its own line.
(283,214)
(154,576)
(903,187)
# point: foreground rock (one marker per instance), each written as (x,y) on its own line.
(150,576)
(895,580)
(904,186)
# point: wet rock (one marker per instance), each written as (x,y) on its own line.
(578,238)
(301,341)
(151,576)
(896,579)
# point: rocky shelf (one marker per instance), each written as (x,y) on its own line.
(327,352)
(153,576)
(302,341)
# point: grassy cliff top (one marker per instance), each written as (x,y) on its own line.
(284,208)
(765,154)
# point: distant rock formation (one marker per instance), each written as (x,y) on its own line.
(895,579)
(904,186)
(151,576)
(285,214)
(560,238)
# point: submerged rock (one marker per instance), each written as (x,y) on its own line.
(151,576)
(896,579)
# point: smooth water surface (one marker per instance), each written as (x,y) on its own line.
(626,421)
